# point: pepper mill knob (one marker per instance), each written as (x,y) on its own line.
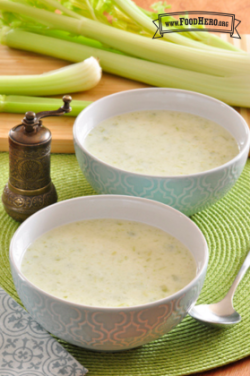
(67,99)
(30,116)
(29,121)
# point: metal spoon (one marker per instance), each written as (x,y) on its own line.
(223,312)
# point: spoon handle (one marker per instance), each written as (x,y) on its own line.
(239,277)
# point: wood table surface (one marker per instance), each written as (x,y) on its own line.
(20,62)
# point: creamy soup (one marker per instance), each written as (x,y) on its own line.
(161,143)
(108,263)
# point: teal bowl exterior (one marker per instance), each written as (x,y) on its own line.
(189,193)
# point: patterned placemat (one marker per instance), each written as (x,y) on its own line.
(190,347)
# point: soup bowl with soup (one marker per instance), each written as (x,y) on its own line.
(108,272)
(178,147)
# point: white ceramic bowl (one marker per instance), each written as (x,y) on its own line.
(108,329)
(187,193)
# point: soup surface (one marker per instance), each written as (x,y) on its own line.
(167,143)
(108,263)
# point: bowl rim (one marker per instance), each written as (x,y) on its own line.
(179,177)
(158,302)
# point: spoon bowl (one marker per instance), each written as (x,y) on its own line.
(223,312)
(214,315)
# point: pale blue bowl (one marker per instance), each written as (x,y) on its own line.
(107,328)
(187,193)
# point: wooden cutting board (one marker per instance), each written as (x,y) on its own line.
(21,62)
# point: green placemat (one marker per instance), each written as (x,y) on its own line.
(190,347)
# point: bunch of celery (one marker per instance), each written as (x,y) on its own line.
(76,29)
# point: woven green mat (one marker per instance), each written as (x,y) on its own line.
(190,347)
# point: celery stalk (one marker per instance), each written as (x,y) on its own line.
(22,104)
(76,77)
(233,90)
(71,38)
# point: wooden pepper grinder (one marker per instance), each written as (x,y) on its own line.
(29,188)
